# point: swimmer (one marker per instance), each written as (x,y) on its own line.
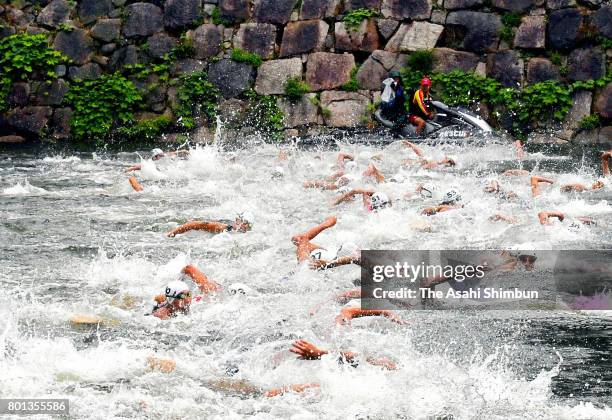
(350,313)
(535,184)
(494,188)
(425,163)
(177,297)
(157,154)
(308,351)
(581,187)
(544,217)
(317,256)
(242,223)
(372,200)
(450,202)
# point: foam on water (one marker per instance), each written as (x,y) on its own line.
(104,253)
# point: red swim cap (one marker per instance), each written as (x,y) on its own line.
(425,81)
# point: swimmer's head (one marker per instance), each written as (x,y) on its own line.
(178,294)
(379,200)
(528,259)
(157,154)
(244,221)
(451,197)
(278,172)
(240,289)
(343,181)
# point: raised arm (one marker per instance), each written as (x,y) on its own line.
(350,195)
(213,227)
(135,184)
(324,265)
(535,184)
(605,162)
(206,285)
(519,149)
(373,171)
(543,216)
(414,148)
(347,314)
(133,168)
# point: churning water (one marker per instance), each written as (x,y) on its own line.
(75,239)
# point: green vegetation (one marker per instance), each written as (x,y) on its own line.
(606,43)
(265,116)
(217,19)
(102,105)
(510,21)
(295,88)
(184,49)
(246,57)
(141,71)
(555,57)
(352,20)
(590,122)
(352,85)
(197,96)
(21,57)
(146,129)
(418,64)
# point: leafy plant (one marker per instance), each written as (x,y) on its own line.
(590,122)
(246,57)
(352,20)
(196,95)
(265,116)
(102,105)
(352,85)
(418,64)
(217,19)
(23,56)
(146,129)
(141,71)
(184,49)
(555,57)
(295,88)
(511,19)
(606,43)
(506,34)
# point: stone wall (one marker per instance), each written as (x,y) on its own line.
(307,39)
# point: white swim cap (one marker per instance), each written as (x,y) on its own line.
(451,196)
(379,200)
(240,289)
(323,254)
(278,172)
(175,288)
(156,152)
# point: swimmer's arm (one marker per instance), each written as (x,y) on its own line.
(414,148)
(213,227)
(134,168)
(206,285)
(333,177)
(298,388)
(535,184)
(135,184)
(519,149)
(163,313)
(515,172)
(320,184)
(543,216)
(502,218)
(349,196)
(347,314)
(342,157)
(574,187)
(324,265)
(430,211)
(605,163)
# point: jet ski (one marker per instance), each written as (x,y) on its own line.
(450,124)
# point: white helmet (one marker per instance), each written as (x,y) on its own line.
(156,152)
(379,200)
(175,289)
(240,289)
